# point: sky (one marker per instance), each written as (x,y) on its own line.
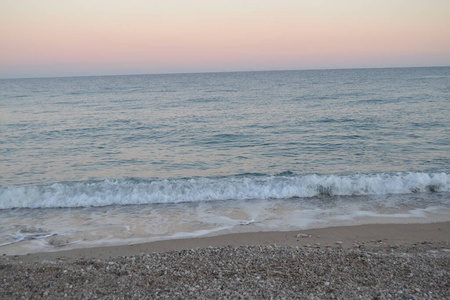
(106,37)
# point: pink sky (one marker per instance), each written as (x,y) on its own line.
(58,38)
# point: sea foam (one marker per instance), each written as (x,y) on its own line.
(245,187)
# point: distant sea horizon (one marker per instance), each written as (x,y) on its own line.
(212,71)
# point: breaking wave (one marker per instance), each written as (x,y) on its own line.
(283,186)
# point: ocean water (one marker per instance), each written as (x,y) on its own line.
(89,161)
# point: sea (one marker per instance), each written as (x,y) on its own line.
(113,160)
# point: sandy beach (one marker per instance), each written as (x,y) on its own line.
(386,261)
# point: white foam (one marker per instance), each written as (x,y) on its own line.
(133,191)
(56,229)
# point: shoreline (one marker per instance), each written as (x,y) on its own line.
(385,261)
(379,235)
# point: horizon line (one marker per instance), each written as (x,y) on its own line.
(218,72)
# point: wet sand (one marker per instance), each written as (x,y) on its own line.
(346,236)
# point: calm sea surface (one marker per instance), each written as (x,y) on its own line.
(121,159)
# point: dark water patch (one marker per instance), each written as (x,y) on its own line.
(427,124)
(222,91)
(228,136)
(205,100)
(242,157)
(68,102)
(77,93)
(20,125)
(371,101)
(18,96)
(337,120)
(127,100)
(260,126)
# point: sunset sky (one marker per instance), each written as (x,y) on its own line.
(94,37)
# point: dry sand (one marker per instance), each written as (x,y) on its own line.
(370,261)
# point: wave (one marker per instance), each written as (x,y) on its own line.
(244,187)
